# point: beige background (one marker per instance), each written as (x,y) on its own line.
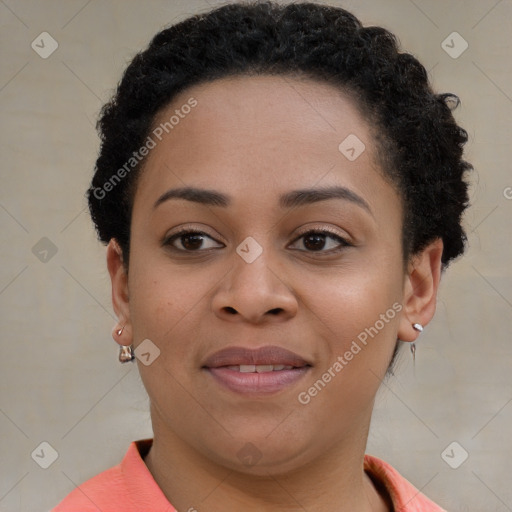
(60,379)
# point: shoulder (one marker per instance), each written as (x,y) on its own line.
(102,492)
(405,497)
(129,486)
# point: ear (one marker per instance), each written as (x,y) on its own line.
(120,296)
(420,290)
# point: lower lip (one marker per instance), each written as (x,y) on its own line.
(257,383)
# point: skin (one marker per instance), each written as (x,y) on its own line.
(255,138)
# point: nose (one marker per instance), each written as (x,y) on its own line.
(255,292)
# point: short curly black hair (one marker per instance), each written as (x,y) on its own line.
(420,145)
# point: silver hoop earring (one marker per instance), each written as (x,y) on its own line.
(126,353)
(419,328)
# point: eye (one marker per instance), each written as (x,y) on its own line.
(191,240)
(315,241)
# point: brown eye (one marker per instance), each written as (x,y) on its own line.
(190,241)
(316,241)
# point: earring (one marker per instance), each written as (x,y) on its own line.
(126,353)
(419,328)
(118,331)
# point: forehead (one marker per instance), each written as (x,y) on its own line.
(260,133)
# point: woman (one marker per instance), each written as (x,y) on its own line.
(280,190)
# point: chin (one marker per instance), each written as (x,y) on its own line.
(260,455)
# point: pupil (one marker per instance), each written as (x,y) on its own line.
(318,241)
(198,239)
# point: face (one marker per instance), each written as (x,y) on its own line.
(275,312)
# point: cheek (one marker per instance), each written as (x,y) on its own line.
(161,294)
(354,299)
(356,317)
(154,304)
(171,307)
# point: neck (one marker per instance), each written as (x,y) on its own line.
(335,483)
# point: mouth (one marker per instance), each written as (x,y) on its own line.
(259,368)
(266,370)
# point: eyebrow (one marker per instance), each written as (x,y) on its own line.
(292,199)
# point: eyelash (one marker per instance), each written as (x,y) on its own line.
(168,241)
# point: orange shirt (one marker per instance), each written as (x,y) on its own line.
(130,487)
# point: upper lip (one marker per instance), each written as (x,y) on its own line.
(267,355)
